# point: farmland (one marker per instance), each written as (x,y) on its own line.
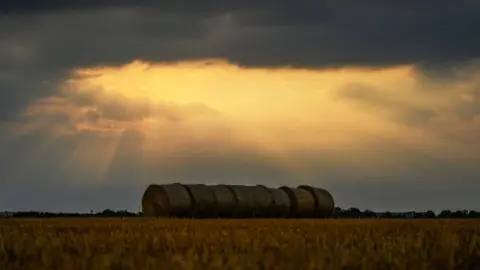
(140,243)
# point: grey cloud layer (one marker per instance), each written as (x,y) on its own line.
(43,40)
(265,33)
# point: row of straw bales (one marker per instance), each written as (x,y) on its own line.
(236,201)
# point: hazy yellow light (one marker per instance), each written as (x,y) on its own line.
(273,112)
(255,95)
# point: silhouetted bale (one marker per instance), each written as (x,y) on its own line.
(281,203)
(203,201)
(245,203)
(225,200)
(263,201)
(324,203)
(302,202)
(171,200)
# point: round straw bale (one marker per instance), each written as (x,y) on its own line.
(171,200)
(302,202)
(203,201)
(244,201)
(324,203)
(281,203)
(263,201)
(152,202)
(225,200)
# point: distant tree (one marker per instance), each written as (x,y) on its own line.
(456,214)
(473,214)
(445,214)
(351,212)
(369,214)
(429,214)
(108,213)
(354,212)
(338,212)
(459,214)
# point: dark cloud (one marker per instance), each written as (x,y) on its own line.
(18,89)
(305,33)
(26,6)
(55,37)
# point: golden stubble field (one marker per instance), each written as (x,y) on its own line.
(139,243)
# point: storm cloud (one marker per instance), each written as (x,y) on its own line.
(251,33)
(54,37)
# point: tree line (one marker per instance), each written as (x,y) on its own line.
(357,213)
(339,213)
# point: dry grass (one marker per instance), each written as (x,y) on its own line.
(238,244)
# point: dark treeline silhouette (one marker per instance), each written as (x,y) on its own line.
(104,213)
(357,213)
(339,214)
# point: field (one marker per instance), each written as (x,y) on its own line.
(139,243)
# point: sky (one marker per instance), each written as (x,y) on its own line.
(376,101)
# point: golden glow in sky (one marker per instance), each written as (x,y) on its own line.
(208,108)
(246,93)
